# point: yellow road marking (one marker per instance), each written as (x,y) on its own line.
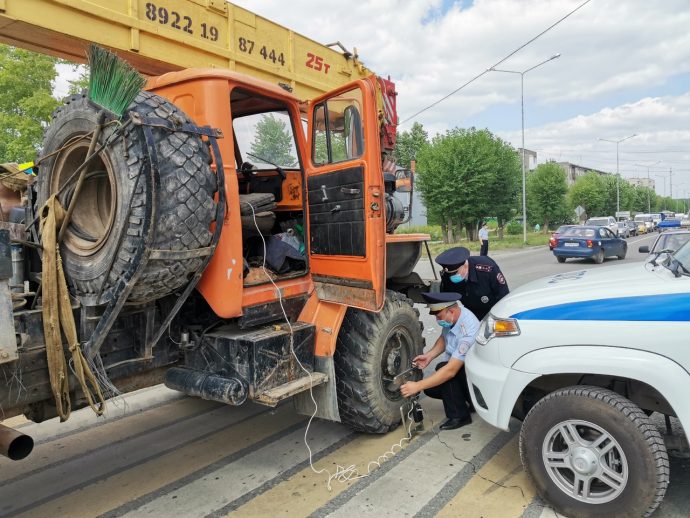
(481,498)
(108,432)
(307,491)
(116,490)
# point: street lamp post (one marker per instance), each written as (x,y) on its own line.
(649,203)
(618,178)
(522,111)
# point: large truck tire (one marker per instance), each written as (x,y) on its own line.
(372,349)
(593,453)
(107,224)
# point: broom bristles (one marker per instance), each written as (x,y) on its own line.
(113,83)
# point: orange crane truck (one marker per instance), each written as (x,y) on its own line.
(231,239)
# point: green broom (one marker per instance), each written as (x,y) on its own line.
(113,85)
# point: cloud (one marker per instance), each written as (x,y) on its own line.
(623,69)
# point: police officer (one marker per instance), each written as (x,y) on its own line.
(449,382)
(478,279)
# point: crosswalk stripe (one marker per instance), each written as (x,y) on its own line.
(113,488)
(117,408)
(484,498)
(421,474)
(307,491)
(71,447)
(245,474)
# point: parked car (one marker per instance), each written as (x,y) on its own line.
(632,227)
(590,242)
(604,221)
(623,230)
(558,232)
(666,242)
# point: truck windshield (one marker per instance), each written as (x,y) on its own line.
(266,140)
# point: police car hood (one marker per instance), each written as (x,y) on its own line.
(610,282)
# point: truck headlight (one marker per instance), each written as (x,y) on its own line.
(492,327)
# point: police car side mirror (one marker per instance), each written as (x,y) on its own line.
(644,249)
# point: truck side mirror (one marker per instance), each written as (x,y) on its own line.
(644,249)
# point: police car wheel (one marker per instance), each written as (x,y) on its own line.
(599,257)
(372,349)
(591,452)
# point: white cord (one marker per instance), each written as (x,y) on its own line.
(342,474)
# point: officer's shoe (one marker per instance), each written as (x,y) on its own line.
(455,422)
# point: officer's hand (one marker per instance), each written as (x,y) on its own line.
(410,389)
(421,361)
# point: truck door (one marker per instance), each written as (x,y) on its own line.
(346,221)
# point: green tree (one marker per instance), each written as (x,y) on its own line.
(466,175)
(408,144)
(546,190)
(26,103)
(273,141)
(589,191)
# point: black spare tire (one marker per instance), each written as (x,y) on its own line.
(106,231)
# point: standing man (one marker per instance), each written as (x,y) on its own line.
(449,383)
(478,279)
(484,238)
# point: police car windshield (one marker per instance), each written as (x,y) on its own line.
(681,256)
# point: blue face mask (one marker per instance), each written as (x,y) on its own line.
(456,278)
(445,324)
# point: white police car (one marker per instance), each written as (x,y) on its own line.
(584,358)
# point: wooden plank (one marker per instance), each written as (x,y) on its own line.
(274,396)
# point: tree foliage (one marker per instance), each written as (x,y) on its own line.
(408,144)
(26,103)
(273,141)
(546,190)
(589,193)
(466,175)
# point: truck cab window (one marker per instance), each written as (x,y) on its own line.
(338,135)
(266,141)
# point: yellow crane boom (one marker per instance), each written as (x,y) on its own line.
(160,36)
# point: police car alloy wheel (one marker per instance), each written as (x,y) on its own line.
(591,452)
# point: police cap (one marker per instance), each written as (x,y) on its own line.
(438,301)
(453,258)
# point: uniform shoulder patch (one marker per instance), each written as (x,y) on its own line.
(500,278)
(483,267)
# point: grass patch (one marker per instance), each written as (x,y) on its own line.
(508,242)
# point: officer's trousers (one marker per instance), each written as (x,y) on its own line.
(485,248)
(454,393)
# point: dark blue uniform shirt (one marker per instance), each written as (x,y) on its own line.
(485,285)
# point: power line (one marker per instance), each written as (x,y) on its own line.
(496,64)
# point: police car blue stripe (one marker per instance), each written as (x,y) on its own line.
(673,307)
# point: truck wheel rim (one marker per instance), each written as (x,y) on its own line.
(396,358)
(94,212)
(585,461)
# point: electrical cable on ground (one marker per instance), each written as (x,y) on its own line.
(496,64)
(342,474)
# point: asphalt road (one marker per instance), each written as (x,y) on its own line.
(159,454)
